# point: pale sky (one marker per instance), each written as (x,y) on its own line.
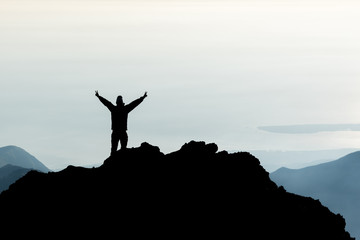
(214,71)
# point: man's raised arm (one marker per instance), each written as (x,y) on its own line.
(135,103)
(108,104)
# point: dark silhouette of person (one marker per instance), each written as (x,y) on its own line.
(119,117)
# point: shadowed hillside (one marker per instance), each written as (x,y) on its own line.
(15,162)
(335,184)
(193,192)
(9,174)
(19,157)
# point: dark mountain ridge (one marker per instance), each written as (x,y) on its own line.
(335,183)
(15,162)
(193,192)
(9,174)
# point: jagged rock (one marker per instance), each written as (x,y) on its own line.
(191,193)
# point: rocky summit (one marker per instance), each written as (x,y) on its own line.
(191,193)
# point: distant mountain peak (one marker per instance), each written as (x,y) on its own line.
(17,156)
(355,156)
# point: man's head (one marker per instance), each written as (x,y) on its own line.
(119,101)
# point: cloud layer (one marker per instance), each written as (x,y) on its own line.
(310,128)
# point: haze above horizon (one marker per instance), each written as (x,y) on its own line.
(214,71)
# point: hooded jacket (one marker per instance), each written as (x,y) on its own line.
(119,114)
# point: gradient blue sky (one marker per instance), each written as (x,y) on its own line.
(214,71)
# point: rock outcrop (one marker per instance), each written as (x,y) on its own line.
(195,192)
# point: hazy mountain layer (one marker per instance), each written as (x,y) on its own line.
(335,184)
(9,174)
(19,157)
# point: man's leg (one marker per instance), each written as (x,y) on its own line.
(114,142)
(123,139)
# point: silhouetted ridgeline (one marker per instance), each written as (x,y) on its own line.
(194,192)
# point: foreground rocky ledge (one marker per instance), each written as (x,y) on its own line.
(193,192)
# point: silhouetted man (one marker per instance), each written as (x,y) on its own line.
(119,116)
